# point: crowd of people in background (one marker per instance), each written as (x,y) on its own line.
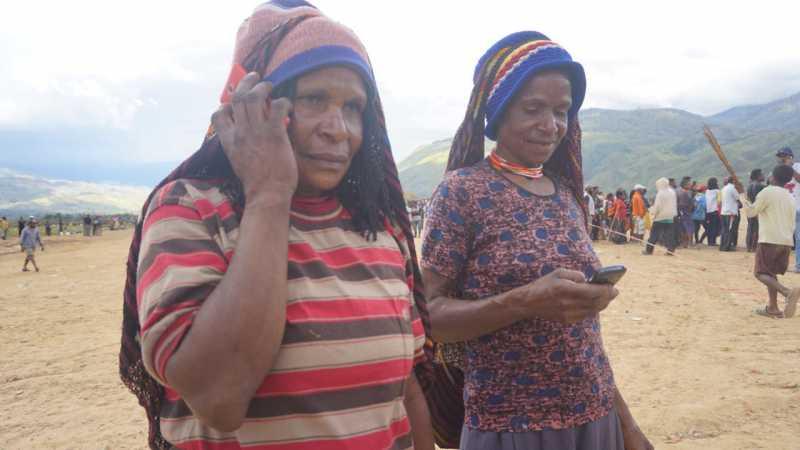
(65,224)
(682,215)
(93,226)
(690,214)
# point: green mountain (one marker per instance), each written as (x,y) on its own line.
(622,148)
(783,114)
(421,172)
(23,194)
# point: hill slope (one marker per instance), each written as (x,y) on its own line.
(783,114)
(22,194)
(622,148)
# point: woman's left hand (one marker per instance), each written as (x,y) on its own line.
(636,440)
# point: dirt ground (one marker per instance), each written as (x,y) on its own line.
(698,368)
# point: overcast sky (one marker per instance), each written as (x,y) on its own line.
(137,81)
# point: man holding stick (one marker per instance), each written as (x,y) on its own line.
(775,209)
(729,214)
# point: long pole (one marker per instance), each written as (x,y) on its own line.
(721,155)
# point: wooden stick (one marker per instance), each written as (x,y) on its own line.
(721,155)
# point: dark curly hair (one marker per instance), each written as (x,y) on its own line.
(782,174)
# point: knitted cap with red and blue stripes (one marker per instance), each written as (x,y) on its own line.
(500,73)
(512,61)
(314,42)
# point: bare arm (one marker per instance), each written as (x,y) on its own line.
(562,295)
(237,332)
(418,415)
(454,320)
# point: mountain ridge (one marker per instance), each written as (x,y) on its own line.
(25,194)
(625,147)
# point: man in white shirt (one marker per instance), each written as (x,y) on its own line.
(729,213)
(588,197)
(786,157)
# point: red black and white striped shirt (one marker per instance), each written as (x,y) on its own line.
(352,332)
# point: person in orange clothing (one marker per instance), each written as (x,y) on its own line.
(638,212)
(619,223)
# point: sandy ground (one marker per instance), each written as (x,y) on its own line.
(699,370)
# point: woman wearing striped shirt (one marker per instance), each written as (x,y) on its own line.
(227,345)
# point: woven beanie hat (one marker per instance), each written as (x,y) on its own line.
(523,55)
(314,43)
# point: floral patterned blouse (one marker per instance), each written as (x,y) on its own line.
(490,236)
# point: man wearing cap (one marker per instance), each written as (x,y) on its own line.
(786,157)
(27,242)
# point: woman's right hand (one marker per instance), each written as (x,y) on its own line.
(563,296)
(253,133)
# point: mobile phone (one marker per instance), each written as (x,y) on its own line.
(608,275)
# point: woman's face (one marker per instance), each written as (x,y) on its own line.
(327,127)
(535,122)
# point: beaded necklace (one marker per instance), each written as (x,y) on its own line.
(500,163)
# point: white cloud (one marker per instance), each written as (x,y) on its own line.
(155,68)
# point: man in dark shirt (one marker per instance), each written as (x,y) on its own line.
(756,185)
(87,225)
(684,223)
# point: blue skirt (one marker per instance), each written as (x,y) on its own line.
(602,434)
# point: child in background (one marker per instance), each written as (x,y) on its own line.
(699,214)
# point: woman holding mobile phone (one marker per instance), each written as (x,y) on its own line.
(506,257)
